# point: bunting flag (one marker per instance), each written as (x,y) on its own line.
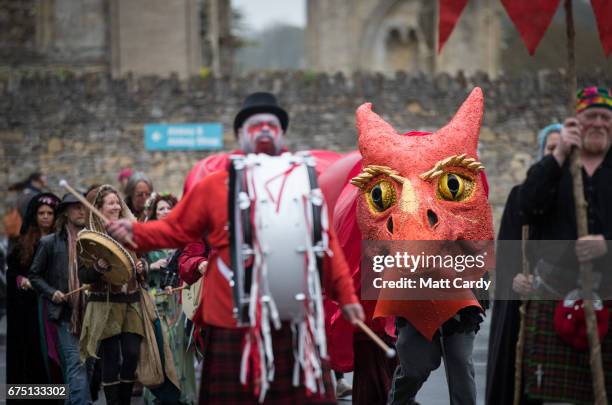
(450,10)
(603,14)
(532,17)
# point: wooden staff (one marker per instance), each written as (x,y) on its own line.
(586,279)
(388,351)
(83,200)
(571,58)
(83,287)
(586,268)
(520,344)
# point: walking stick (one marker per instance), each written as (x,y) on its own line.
(83,200)
(520,344)
(586,268)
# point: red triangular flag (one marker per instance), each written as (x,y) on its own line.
(603,15)
(450,10)
(531,18)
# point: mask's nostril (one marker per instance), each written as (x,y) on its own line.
(390,224)
(432,217)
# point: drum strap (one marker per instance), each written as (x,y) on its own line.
(240,233)
(316,218)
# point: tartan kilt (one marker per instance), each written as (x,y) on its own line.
(566,374)
(221,371)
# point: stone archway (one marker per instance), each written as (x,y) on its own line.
(401,49)
(396,38)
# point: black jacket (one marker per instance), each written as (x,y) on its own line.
(547,200)
(49,272)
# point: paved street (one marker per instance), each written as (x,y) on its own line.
(433,392)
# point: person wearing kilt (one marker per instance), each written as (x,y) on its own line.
(220,376)
(260,127)
(556,362)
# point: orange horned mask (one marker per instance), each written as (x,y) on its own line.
(425,187)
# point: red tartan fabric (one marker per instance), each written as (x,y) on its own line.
(221,371)
(565,372)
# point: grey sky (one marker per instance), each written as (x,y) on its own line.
(260,13)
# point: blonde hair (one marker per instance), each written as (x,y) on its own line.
(95,223)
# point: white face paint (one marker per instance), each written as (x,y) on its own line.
(261,133)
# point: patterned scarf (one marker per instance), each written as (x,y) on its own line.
(76,301)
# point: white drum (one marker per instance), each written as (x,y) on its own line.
(277,234)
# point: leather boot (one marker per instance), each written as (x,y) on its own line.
(125,393)
(111,392)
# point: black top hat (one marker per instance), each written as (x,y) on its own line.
(67,199)
(260,102)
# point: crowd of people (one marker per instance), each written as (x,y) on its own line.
(67,322)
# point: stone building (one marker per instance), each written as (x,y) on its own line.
(144,37)
(392,35)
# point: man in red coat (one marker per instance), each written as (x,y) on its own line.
(203,211)
(260,127)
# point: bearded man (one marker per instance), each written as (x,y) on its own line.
(556,363)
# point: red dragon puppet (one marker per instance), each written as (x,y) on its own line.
(413,186)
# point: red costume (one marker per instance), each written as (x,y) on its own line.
(411,155)
(194,253)
(203,211)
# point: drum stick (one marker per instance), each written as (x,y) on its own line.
(84,287)
(90,206)
(388,351)
(173,290)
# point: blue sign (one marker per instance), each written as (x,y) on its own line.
(200,136)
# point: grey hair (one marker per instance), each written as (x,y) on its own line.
(134,179)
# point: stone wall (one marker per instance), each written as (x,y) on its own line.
(86,128)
